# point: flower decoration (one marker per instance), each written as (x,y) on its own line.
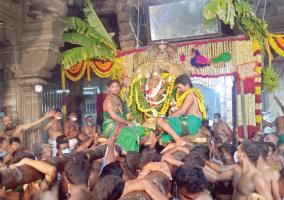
(182,57)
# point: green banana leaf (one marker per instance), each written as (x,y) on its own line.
(94,21)
(210,10)
(73,56)
(80,39)
(78,25)
(223,9)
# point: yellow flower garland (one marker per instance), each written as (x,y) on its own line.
(122,94)
(145,111)
(180,98)
(169,91)
(200,100)
(131,91)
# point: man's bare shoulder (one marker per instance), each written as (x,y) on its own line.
(275,175)
(279,119)
(107,100)
(86,127)
(258,176)
(108,103)
(68,123)
(205,196)
(190,95)
(2,134)
(237,168)
(222,123)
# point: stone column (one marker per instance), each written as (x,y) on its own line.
(30,60)
(30,108)
(126,36)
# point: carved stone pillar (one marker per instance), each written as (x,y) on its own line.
(39,52)
(28,62)
(126,36)
(30,109)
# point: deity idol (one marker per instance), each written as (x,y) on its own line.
(155,89)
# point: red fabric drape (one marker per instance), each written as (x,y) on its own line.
(99,105)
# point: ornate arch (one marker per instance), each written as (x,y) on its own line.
(164,66)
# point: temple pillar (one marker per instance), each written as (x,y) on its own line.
(126,36)
(29,60)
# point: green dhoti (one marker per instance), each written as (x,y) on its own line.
(127,137)
(281,139)
(183,126)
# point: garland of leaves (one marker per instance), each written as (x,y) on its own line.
(240,14)
(270,79)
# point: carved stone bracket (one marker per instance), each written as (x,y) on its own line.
(7,35)
(40,8)
(126,37)
(36,63)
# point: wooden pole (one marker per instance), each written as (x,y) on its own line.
(243,107)
(161,181)
(15,176)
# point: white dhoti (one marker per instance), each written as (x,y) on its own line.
(72,143)
(52,143)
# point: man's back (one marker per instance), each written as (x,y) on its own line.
(271,176)
(249,182)
(223,131)
(280,124)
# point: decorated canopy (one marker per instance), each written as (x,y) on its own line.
(210,58)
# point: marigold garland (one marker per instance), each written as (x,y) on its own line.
(277,43)
(79,68)
(100,68)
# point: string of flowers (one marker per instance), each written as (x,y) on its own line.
(131,91)
(168,95)
(138,101)
(122,94)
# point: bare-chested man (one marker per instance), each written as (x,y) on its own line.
(71,129)
(89,129)
(11,130)
(247,179)
(54,130)
(116,125)
(281,183)
(186,116)
(271,175)
(221,129)
(278,123)
(191,184)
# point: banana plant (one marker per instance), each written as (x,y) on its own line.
(237,13)
(90,37)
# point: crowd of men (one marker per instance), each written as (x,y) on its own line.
(224,167)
